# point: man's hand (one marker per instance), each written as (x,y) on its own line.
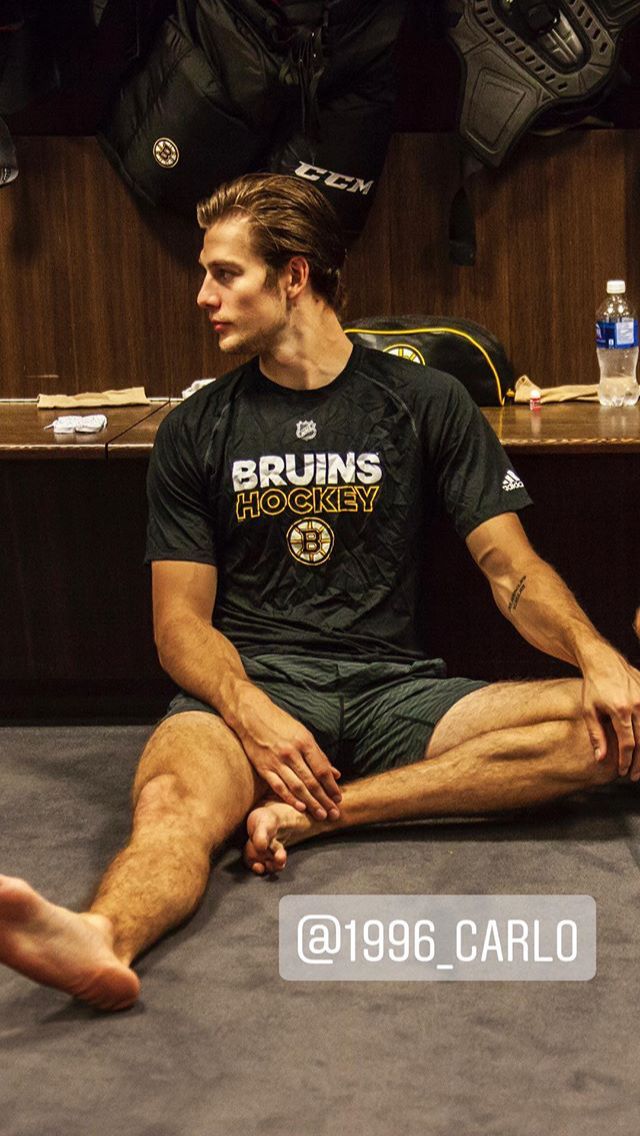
(286,755)
(203,661)
(611,691)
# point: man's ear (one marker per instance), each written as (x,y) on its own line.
(297,276)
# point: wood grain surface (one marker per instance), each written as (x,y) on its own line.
(570,427)
(99,290)
(24,432)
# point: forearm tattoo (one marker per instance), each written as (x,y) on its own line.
(515,598)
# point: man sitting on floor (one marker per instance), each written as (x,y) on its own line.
(289,521)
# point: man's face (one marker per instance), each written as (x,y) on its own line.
(247,314)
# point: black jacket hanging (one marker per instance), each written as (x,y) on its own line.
(233,86)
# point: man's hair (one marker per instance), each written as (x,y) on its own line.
(288,217)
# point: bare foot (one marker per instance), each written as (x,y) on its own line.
(272,827)
(61,948)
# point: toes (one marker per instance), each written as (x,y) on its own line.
(277,859)
(255,858)
(261,836)
(272,859)
(261,841)
(249,854)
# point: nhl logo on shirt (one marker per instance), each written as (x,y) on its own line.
(166,153)
(306,429)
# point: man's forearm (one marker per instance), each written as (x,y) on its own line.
(541,607)
(205,663)
(538,603)
(282,751)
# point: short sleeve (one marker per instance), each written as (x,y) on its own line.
(474,477)
(180,524)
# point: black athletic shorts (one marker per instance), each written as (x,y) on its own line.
(367,717)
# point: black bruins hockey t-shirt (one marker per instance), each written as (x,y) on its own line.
(315,505)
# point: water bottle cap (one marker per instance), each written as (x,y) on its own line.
(616,286)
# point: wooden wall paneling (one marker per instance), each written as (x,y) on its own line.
(631,215)
(409,224)
(75,606)
(395,262)
(130,288)
(34,314)
(47,629)
(574,525)
(585,528)
(552,225)
(567,198)
(368,273)
(535,186)
(101,291)
(481,292)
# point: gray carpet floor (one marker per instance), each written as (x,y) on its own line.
(220,1044)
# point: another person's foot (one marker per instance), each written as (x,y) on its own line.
(70,951)
(272,827)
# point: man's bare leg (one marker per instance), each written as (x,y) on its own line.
(505,746)
(193,787)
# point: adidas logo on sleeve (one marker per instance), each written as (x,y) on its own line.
(511,481)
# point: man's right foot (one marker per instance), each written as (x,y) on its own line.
(70,951)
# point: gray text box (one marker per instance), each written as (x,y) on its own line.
(437,938)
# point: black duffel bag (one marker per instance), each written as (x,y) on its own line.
(460,347)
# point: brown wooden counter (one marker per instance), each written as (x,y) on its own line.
(577,428)
(570,427)
(137,442)
(24,434)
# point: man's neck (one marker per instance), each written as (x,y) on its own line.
(310,353)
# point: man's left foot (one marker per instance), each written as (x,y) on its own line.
(271,828)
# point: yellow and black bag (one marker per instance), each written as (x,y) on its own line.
(461,347)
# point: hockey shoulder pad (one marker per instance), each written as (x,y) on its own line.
(521,58)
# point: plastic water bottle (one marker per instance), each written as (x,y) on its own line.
(617,348)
